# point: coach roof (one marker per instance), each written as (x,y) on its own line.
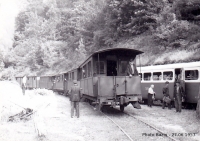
(121,50)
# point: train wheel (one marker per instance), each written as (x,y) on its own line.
(122,108)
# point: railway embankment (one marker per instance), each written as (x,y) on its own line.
(52,120)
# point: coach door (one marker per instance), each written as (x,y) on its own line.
(124,84)
(128,86)
(192,82)
(111,68)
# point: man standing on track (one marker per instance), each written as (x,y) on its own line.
(24,79)
(178,96)
(75,96)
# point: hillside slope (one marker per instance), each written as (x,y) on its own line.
(56,36)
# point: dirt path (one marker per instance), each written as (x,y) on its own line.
(55,123)
(91,126)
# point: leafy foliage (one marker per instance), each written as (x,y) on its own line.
(56,35)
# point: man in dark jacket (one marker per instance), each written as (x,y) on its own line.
(166,98)
(75,96)
(131,69)
(178,96)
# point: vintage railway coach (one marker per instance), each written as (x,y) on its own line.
(103,78)
(159,74)
(64,81)
(47,82)
(19,79)
(59,82)
(71,75)
(32,82)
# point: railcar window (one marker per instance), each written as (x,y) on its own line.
(147,76)
(66,76)
(84,71)
(100,67)
(58,78)
(168,75)
(191,74)
(89,69)
(72,75)
(123,67)
(157,76)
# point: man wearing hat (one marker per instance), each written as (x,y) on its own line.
(75,96)
(166,98)
(178,96)
(131,68)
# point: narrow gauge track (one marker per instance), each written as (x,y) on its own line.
(151,126)
(144,131)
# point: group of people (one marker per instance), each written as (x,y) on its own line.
(178,95)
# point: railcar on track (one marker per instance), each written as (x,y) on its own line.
(102,78)
(64,81)
(104,81)
(159,74)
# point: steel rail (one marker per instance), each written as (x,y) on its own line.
(43,106)
(118,126)
(151,126)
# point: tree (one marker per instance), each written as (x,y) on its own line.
(131,17)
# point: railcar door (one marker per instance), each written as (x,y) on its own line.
(192,82)
(128,86)
(111,68)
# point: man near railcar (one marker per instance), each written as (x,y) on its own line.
(166,98)
(75,96)
(24,79)
(178,96)
(151,93)
(131,69)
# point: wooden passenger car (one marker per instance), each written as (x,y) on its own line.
(19,80)
(47,81)
(159,74)
(32,82)
(64,81)
(103,78)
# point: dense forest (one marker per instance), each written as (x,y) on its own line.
(56,35)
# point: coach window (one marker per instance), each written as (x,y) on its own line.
(157,76)
(123,67)
(89,69)
(191,74)
(58,78)
(168,75)
(66,76)
(147,76)
(100,67)
(84,71)
(72,75)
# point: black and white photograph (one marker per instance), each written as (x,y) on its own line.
(99,70)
